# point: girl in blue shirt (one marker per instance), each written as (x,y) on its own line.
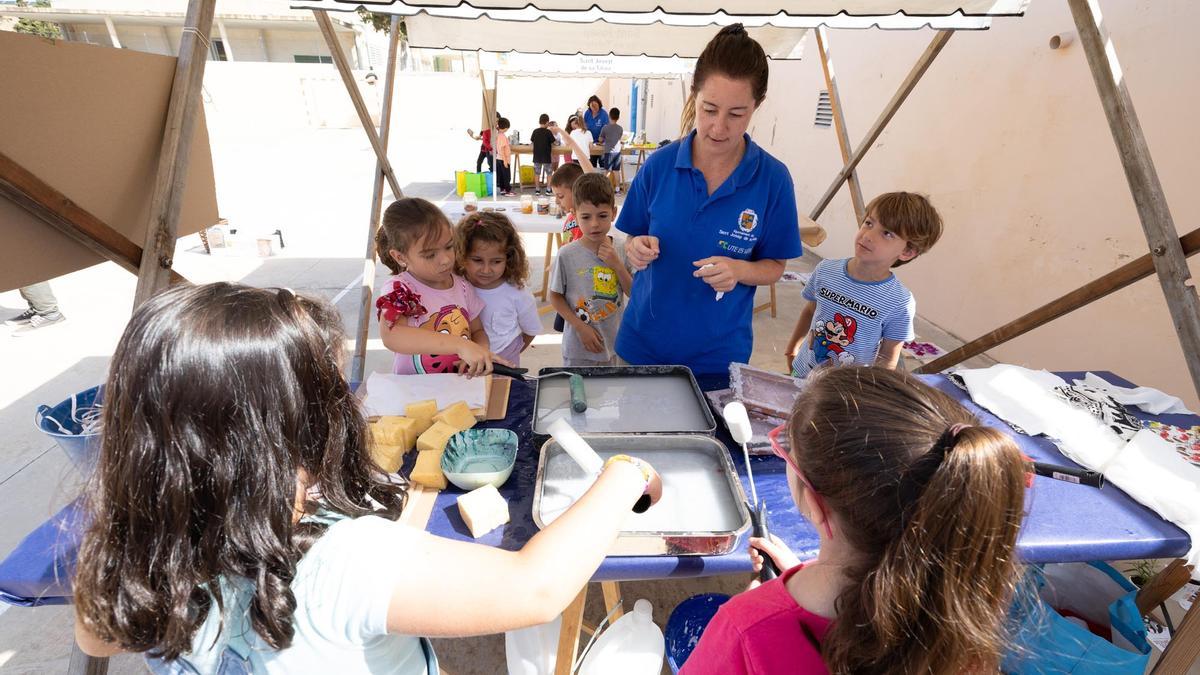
(709,218)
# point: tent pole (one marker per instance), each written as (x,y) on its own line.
(359,362)
(935,46)
(36,196)
(154,269)
(1161,235)
(343,66)
(1115,280)
(839,121)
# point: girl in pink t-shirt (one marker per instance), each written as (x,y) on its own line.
(917,507)
(427,314)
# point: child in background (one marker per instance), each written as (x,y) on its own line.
(610,138)
(583,140)
(562,181)
(427,314)
(590,280)
(858,311)
(491,257)
(253,533)
(542,140)
(503,159)
(917,507)
(485,147)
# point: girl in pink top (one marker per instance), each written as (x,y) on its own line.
(427,314)
(917,507)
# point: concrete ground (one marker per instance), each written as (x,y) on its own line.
(324,233)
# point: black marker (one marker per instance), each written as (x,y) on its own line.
(1069,474)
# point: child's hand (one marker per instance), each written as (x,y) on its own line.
(774,547)
(553,127)
(721,275)
(471,133)
(641,251)
(591,339)
(474,360)
(791,358)
(608,254)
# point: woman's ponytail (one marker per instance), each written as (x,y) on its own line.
(932,504)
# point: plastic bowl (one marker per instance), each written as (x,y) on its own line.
(478,457)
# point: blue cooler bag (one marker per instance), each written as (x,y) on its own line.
(1045,641)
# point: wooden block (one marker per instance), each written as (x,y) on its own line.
(395,430)
(428,470)
(435,438)
(483,510)
(458,416)
(388,457)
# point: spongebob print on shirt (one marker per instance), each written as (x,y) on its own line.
(606,295)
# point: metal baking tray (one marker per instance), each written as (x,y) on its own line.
(703,508)
(625,400)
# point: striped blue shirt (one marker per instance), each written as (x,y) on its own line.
(852,317)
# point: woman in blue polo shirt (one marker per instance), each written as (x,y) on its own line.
(595,118)
(709,218)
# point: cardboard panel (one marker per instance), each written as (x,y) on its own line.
(88,120)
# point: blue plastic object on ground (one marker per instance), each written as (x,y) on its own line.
(686,623)
(74,425)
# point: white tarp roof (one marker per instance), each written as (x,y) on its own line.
(576,65)
(808,8)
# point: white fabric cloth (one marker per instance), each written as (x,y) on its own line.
(1147,467)
(1149,399)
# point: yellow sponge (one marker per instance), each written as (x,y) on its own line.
(434,439)
(388,457)
(483,510)
(458,416)
(428,471)
(422,412)
(393,430)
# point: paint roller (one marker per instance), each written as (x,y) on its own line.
(578,396)
(581,451)
(738,421)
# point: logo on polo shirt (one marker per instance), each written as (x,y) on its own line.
(748,220)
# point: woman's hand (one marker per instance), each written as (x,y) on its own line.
(719,272)
(641,251)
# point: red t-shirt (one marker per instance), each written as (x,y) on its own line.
(485,138)
(761,631)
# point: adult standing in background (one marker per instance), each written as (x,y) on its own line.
(595,119)
(709,219)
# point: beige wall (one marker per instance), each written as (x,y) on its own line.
(1009,139)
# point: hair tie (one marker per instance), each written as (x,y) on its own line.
(945,443)
(956,428)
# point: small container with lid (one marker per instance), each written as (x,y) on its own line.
(543,206)
(526,204)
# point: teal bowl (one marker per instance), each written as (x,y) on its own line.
(478,457)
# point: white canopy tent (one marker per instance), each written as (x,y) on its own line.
(681,28)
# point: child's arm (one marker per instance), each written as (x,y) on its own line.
(90,644)
(889,353)
(473,136)
(577,151)
(800,332)
(589,336)
(404,339)
(528,340)
(482,589)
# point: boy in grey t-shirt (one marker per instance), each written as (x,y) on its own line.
(610,138)
(590,278)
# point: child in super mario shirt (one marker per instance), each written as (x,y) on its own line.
(858,312)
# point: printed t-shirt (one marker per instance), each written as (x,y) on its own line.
(449,311)
(571,228)
(593,292)
(852,317)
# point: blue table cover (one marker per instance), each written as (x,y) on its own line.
(1065,522)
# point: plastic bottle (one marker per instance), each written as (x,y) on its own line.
(532,650)
(633,645)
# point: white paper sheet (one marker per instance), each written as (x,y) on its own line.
(387,394)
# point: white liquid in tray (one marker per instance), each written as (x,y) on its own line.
(624,403)
(696,493)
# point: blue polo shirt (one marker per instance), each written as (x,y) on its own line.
(673,317)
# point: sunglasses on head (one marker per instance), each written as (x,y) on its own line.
(786,456)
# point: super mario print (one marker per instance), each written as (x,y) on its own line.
(451,320)
(831,338)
